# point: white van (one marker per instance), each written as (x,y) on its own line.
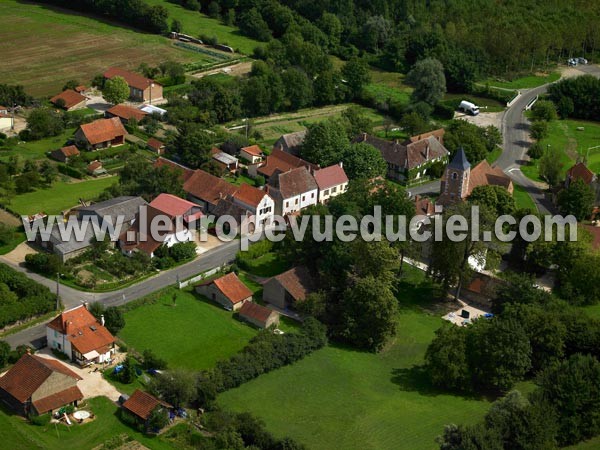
(469,108)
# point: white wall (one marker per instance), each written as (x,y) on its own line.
(54,338)
(299,202)
(326,194)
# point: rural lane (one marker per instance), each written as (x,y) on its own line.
(71,297)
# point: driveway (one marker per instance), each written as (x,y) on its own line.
(93,384)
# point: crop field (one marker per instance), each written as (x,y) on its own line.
(343,398)
(42,47)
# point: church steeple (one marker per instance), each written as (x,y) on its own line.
(460,161)
(455,183)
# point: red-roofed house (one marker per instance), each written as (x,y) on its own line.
(81,337)
(125,113)
(36,385)
(141,89)
(156,146)
(228,291)
(253,154)
(186,172)
(278,161)
(257,201)
(65,153)
(69,100)
(142,405)
(96,168)
(580,172)
(206,189)
(332,181)
(174,206)
(285,289)
(101,133)
(258,315)
(293,190)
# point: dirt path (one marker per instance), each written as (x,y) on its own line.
(9,219)
(235,70)
(17,256)
(483,119)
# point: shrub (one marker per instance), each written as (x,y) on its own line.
(151,361)
(41,420)
(70,171)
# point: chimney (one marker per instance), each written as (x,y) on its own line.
(364,137)
(342,164)
(28,351)
(102,320)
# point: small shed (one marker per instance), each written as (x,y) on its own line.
(258,315)
(141,405)
(228,291)
(288,288)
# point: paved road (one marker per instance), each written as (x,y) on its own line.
(72,297)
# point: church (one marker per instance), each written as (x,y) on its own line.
(460,179)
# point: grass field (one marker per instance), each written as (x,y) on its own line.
(527,82)
(42,47)
(567,143)
(36,149)
(522,199)
(60,196)
(16,433)
(342,398)
(494,155)
(194,334)
(195,23)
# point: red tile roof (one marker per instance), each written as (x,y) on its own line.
(127,112)
(280,160)
(142,404)
(438,134)
(103,130)
(94,165)
(580,172)
(172,205)
(80,88)
(483,175)
(207,187)
(185,171)
(145,241)
(254,150)
(424,206)
(232,288)
(294,182)
(29,373)
(77,324)
(255,311)
(155,144)
(330,176)
(250,195)
(133,79)
(69,97)
(58,399)
(297,281)
(70,150)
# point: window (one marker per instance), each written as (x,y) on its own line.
(454,175)
(296,201)
(312,195)
(326,192)
(287,204)
(303,198)
(333,190)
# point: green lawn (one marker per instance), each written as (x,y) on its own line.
(267,265)
(60,196)
(195,23)
(522,198)
(342,398)
(194,334)
(593,310)
(18,236)
(36,149)
(16,433)
(567,143)
(526,82)
(69,45)
(592,444)
(494,155)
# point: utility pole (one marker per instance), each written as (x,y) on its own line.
(12,117)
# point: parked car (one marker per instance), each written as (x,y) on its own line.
(582,60)
(572,62)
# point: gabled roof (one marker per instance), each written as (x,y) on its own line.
(424,206)
(186,172)
(330,176)
(58,399)
(127,112)
(66,152)
(82,330)
(146,241)
(438,134)
(254,150)
(155,144)
(282,161)
(293,140)
(460,161)
(226,207)
(94,165)
(580,172)
(126,206)
(172,205)
(297,281)
(255,311)
(483,175)
(207,187)
(69,97)
(103,130)
(249,195)
(294,182)
(133,79)
(231,287)
(29,373)
(142,404)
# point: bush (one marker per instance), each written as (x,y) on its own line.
(444,111)
(70,171)
(257,250)
(60,355)
(151,361)
(536,151)
(40,421)
(44,263)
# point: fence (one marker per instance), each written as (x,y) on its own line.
(202,276)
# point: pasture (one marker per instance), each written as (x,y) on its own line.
(526,82)
(342,398)
(43,47)
(60,196)
(192,334)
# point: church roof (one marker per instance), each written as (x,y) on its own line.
(459,161)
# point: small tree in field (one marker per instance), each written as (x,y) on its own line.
(116,90)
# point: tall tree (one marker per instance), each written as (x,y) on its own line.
(116,90)
(578,199)
(427,77)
